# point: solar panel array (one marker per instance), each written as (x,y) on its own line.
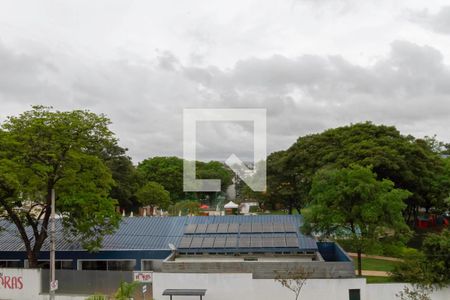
(244,235)
(242,241)
(223,228)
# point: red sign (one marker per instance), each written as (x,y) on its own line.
(142,276)
(11,282)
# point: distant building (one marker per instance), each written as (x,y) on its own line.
(221,244)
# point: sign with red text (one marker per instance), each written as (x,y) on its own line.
(143,276)
(20,283)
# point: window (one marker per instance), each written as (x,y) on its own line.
(147,265)
(10,264)
(59,264)
(354,294)
(110,265)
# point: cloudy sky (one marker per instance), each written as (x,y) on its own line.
(313,64)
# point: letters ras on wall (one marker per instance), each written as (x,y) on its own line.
(19,283)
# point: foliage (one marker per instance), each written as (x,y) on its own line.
(215,170)
(125,175)
(168,171)
(430,266)
(41,150)
(410,163)
(153,194)
(415,292)
(350,203)
(97,297)
(186,207)
(293,279)
(126,290)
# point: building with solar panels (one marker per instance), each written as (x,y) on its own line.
(257,244)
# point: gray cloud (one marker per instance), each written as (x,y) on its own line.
(438,22)
(145,98)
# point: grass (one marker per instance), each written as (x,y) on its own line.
(377,279)
(373,264)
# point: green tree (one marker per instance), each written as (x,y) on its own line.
(126,178)
(284,184)
(410,163)
(126,290)
(153,194)
(186,207)
(42,150)
(167,171)
(429,267)
(215,170)
(350,203)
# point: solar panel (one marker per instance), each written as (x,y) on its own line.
(256,227)
(244,241)
(267,242)
(267,227)
(279,241)
(246,228)
(222,228)
(201,228)
(219,242)
(307,243)
(233,228)
(189,229)
(255,241)
(290,228)
(212,228)
(231,242)
(185,242)
(197,242)
(291,241)
(278,227)
(208,242)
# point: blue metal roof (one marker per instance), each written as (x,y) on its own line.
(152,233)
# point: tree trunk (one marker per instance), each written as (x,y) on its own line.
(32,259)
(359,263)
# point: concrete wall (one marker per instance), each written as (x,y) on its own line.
(262,270)
(25,284)
(243,286)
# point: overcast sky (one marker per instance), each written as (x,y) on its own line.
(313,64)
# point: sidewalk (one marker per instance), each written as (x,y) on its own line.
(373,273)
(375,256)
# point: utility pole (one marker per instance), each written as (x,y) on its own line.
(52,249)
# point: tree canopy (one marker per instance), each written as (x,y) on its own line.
(412,164)
(351,203)
(42,150)
(153,194)
(168,171)
(431,265)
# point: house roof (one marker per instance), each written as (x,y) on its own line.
(156,233)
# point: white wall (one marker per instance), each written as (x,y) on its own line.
(388,291)
(25,284)
(243,287)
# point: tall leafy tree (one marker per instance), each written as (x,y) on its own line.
(351,203)
(153,194)
(167,171)
(126,178)
(429,267)
(42,150)
(410,163)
